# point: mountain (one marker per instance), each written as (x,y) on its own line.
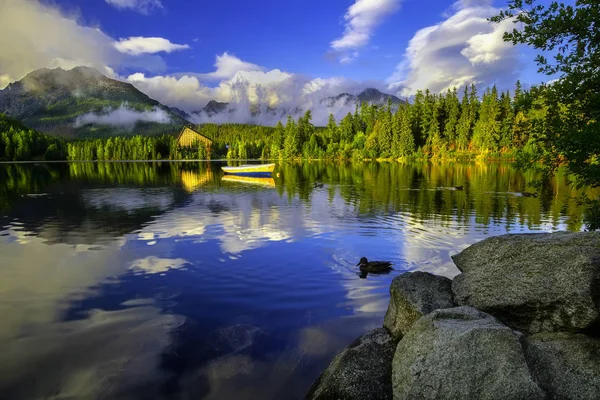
(179,112)
(374,96)
(369,95)
(82,102)
(214,107)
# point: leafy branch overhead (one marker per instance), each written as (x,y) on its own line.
(571,34)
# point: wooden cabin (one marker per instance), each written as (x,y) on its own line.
(189,137)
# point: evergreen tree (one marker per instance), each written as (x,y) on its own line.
(290,146)
(417,116)
(406,140)
(453,113)
(434,139)
(427,117)
(385,134)
(278,141)
(487,128)
(347,128)
(332,132)
(507,119)
(463,129)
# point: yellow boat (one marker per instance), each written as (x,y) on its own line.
(268,182)
(250,169)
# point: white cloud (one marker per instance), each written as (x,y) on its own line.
(141,6)
(185,92)
(361,19)
(463,49)
(124,116)
(35,35)
(227,65)
(147,45)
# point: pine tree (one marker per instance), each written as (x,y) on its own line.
(427,116)
(385,136)
(277,141)
(406,140)
(487,127)
(453,113)
(434,139)
(347,129)
(303,131)
(518,97)
(463,130)
(332,132)
(417,115)
(290,143)
(507,118)
(396,128)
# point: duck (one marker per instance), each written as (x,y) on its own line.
(458,188)
(318,185)
(374,266)
(528,194)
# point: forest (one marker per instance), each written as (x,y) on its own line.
(438,126)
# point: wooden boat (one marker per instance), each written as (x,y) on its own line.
(268,182)
(250,169)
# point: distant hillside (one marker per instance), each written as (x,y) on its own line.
(82,103)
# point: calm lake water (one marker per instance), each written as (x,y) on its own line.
(152,281)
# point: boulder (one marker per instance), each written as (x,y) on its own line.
(362,371)
(547,282)
(413,295)
(461,353)
(565,366)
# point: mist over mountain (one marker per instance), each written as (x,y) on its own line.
(82,102)
(262,113)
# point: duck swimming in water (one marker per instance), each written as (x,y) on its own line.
(374,266)
(318,185)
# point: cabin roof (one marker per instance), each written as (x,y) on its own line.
(194,131)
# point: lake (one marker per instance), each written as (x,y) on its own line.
(168,280)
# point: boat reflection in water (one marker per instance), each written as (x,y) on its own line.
(267,182)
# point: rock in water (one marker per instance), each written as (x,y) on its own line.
(565,366)
(362,371)
(413,295)
(461,353)
(533,282)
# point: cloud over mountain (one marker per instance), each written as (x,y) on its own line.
(256,95)
(36,35)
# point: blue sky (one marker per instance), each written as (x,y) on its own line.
(285,53)
(289,35)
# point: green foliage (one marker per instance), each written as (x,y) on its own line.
(570,33)
(19,143)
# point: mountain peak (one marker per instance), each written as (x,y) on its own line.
(372,95)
